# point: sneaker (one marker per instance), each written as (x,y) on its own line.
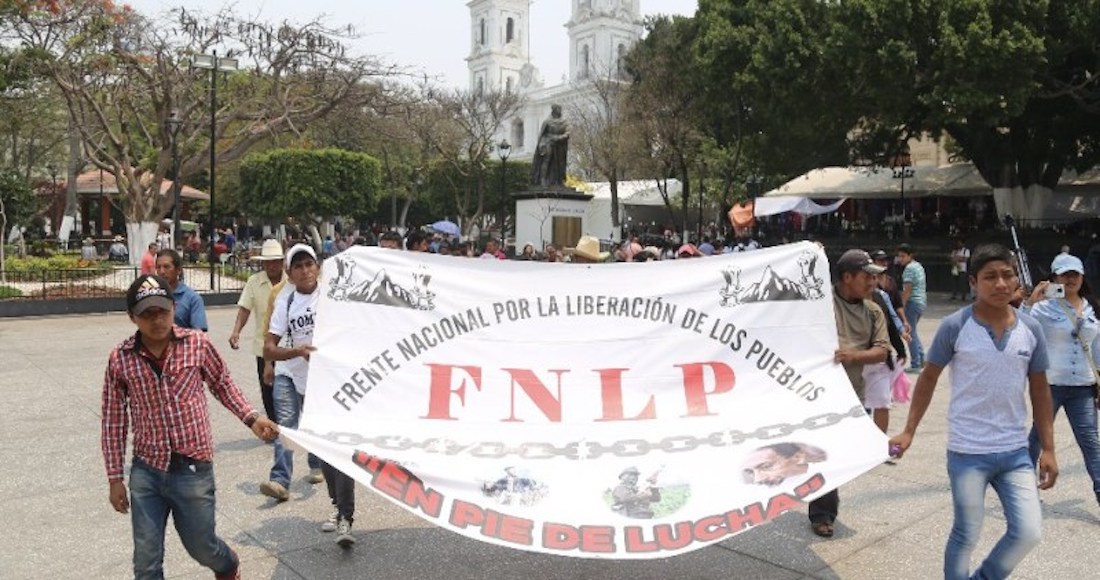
(274,489)
(315,475)
(329,525)
(343,533)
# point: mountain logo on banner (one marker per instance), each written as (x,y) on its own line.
(379,288)
(773,287)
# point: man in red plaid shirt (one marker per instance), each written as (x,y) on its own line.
(154,380)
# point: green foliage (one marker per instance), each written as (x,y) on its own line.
(445,178)
(56,262)
(20,201)
(1013,82)
(305,183)
(9,292)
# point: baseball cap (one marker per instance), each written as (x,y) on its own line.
(853,260)
(298,249)
(1066,263)
(880,255)
(148,291)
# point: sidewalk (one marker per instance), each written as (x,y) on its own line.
(57,522)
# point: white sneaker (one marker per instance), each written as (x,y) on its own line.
(329,525)
(343,533)
(315,475)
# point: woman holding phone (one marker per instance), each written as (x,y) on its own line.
(1066,309)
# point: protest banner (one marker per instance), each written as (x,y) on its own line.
(636,410)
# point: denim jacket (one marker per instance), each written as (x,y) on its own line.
(1068,365)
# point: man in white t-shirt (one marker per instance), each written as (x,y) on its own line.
(960,283)
(293,317)
(998,360)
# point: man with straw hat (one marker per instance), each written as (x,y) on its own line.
(254,300)
(588,251)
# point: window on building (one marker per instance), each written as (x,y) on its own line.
(585,59)
(508,85)
(480,85)
(481,32)
(510,31)
(620,67)
(517,134)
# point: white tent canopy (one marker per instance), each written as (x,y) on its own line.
(635,192)
(765,206)
(960,179)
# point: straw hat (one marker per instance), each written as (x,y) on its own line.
(589,247)
(271,250)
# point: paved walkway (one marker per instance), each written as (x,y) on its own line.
(56,522)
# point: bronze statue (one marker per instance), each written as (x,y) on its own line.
(548,167)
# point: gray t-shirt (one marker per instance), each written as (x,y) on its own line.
(988,408)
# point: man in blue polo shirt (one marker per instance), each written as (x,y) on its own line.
(998,361)
(190,310)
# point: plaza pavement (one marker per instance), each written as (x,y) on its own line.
(55,521)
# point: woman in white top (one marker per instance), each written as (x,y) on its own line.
(1073,337)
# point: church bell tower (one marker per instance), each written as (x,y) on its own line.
(499,43)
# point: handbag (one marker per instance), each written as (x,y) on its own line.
(1085,348)
(901,390)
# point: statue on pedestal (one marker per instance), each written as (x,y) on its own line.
(551,153)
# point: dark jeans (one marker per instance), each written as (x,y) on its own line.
(961,286)
(265,390)
(186,491)
(341,490)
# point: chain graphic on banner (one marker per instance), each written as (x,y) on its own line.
(589,449)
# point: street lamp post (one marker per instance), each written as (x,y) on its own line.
(173,124)
(53,191)
(504,149)
(214,64)
(902,166)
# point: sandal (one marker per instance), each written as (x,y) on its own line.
(823,529)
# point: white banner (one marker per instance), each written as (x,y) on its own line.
(634,410)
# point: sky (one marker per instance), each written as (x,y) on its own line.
(433,36)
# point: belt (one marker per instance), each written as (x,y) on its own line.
(182,462)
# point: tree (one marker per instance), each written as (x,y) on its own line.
(467,146)
(34,115)
(663,100)
(606,144)
(121,76)
(310,185)
(764,70)
(1012,82)
(18,203)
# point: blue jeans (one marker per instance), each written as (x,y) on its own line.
(288,410)
(1081,411)
(189,496)
(1012,475)
(913,312)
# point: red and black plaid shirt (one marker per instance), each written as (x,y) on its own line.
(165,401)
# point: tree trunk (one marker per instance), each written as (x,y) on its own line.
(138,237)
(68,220)
(1026,205)
(404,215)
(616,231)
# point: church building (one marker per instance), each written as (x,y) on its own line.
(601,32)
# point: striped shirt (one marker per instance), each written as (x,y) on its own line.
(167,407)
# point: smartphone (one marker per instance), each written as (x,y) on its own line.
(1055,291)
